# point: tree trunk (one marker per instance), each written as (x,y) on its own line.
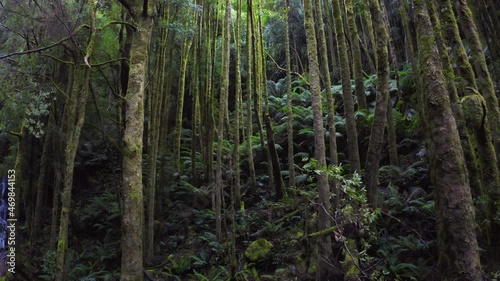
(275,171)
(237,107)
(485,84)
(291,156)
(249,150)
(133,205)
(186,46)
(155,109)
(74,116)
(458,249)
(222,112)
(352,133)
(325,270)
(379,121)
(465,137)
(357,68)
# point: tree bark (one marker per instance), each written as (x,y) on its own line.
(133,205)
(485,84)
(352,133)
(249,121)
(325,270)
(379,120)
(291,156)
(458,249)
(222,113)
(238,99)
(357,68)
(325,76)
(74,116)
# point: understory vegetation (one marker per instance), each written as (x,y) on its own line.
(148,140)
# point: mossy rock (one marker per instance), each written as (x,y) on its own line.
(258,249)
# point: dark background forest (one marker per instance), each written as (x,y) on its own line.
(250,140)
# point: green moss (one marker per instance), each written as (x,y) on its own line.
(258,249)
(134,194)
(472,107)
(352,271)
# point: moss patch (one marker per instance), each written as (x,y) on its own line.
(258,249)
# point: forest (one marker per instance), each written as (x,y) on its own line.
(148,140)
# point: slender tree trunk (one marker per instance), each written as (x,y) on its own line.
(379,121)
(367,20)
(133,205)
(249,123)
(352,133)
(357,67)
(257,101)
(325,76)
(222,112)
(156,102)
(391,126)
(331,34)
(186,46)
(458,249)
(195,106)
(325,270)
(485,84)
(74,116)
(275,171)
(291,156)
(237,107)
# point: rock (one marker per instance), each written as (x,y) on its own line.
(258,249)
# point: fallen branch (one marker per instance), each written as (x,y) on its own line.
(325,231)
(282,219)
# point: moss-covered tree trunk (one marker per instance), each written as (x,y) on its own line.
(164,147)
(465,136)
(458,249)
(207,119)
(409,44)
(195,104)
(257,80)
(222,112)
(73,118)
(156,98)
(368,23)
(465,86)
(325,76)
(391,126)
(133,205)
(249,121)
(482,173)
(325,270)
(352,133)
(275,171)
(357,68)
(377,132)
(291,156)
(186,46)
(331,34)
(484,81)
(237,110)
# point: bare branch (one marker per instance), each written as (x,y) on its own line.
(106,62)
(46,47)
